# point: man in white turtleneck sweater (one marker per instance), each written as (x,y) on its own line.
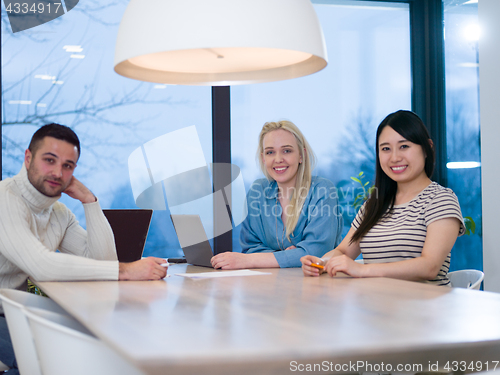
(33,225)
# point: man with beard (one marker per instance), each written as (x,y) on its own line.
(33,225)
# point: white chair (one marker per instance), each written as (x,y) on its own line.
(13,302)
(469,279)
(65,347)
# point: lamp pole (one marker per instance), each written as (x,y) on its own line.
(221,159)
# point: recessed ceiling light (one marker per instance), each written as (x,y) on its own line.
(463,164)
(24,102)
(73,48)
(45,77)
(472,32)
(468,65)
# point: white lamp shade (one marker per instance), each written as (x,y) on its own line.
(219,42)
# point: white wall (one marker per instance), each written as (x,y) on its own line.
(489,78)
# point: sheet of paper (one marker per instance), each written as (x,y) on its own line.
(209,275)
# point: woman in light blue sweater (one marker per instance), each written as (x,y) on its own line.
(290,213)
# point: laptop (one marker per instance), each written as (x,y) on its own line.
(130,228)
(193,239)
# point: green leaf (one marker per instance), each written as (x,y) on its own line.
(32,288)
(470,225)
(356,179)
(361,197)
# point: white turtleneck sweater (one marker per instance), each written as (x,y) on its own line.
(33,226)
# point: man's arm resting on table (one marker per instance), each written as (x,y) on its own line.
(145,269)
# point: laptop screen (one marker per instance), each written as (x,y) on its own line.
(193,239)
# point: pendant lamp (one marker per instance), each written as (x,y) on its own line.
(219,42)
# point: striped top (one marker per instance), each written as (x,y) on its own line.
(400,234)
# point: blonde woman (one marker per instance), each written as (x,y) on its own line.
(290,213)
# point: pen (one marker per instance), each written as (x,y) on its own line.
(319,266)
(165,265)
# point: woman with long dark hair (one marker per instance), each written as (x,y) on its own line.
(409,224)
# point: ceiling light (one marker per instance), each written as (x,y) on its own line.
(463,164)
(24,102)
(472,32)
(73,48)
(45,77)
(219,42)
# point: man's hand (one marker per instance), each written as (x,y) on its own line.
(145,269)
(77,190)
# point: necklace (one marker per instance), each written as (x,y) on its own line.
(282,245)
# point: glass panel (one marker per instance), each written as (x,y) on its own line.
(62,72)
(338,109)
(462,124)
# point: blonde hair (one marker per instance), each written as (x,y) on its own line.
(303,180)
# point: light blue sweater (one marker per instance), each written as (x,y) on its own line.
(318,230)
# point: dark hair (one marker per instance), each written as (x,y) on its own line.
(381,200)
(56,131)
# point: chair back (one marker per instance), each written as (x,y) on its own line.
(66,347)
(469,279)
(13,302)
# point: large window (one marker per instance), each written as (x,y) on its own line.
(338,109)
(62,72)
(462,123)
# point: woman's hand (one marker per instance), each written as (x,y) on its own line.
(310,270)
(345,264)
(230,261)
(237,261)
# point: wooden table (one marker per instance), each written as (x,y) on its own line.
(283,322)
